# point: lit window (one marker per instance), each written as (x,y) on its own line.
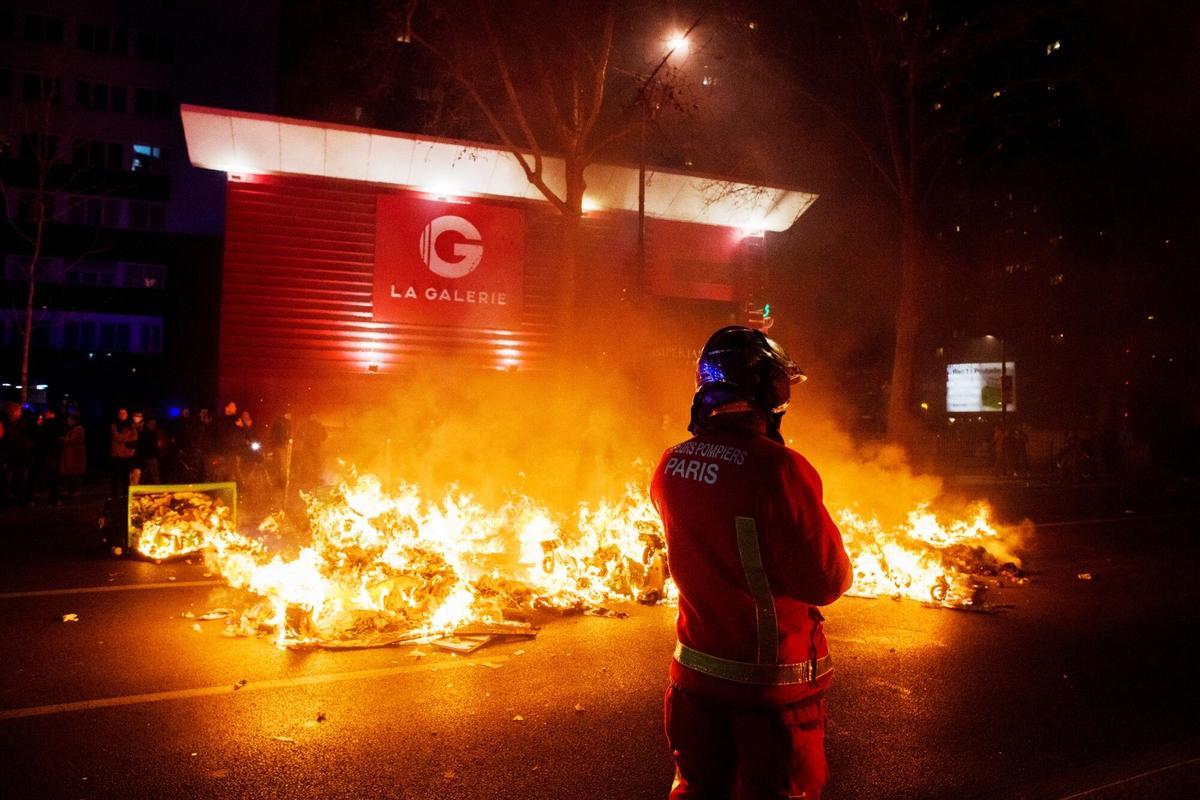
(146,158)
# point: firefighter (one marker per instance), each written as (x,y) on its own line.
(754,554)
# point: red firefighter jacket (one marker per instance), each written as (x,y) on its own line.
(753,552)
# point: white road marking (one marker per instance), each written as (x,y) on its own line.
(124,587)
(1131,778)
(227,688)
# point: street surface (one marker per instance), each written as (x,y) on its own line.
(1073,689)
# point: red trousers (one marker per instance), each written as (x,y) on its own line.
(724,751)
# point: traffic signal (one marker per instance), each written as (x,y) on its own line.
(760,318)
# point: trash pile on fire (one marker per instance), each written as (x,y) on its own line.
(167,524)
(386,567)
(951,565)
(390,567)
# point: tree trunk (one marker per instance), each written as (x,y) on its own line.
(27,339)
(572,217)
(901,421)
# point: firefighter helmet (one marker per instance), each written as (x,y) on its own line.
(739,363)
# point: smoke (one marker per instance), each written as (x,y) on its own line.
(581,433)
(559,438)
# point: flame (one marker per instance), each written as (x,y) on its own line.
(398,564)
(925,559)
(387,566)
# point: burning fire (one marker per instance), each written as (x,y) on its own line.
(167,525)
(388,566)
(923,559)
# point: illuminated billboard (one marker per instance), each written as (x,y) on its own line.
(974,388)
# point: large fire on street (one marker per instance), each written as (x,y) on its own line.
(384,566)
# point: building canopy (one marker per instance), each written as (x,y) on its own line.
(240,142)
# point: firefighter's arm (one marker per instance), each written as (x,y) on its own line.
(814,566)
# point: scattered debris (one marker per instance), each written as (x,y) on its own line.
(287,739)
(321,716)
(461,644)
(449,775)
(518,718)
(216,613)
(196,627)
(519,653)
(602,611)
(188,615)
(990,609)
(1084,576)
(579,709)
(70,618)
(417,653)
(514,629)
(489,664)
(239,684)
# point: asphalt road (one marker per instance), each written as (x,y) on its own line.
(1076,688)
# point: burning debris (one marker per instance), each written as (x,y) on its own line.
(949,565)
(394,567)
(164,523)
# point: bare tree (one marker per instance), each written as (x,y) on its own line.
(33,208)
(920,87)
(36,201)
(541,76)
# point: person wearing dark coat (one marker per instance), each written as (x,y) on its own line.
(147,451)
(123,438)
(72,463)
(16,453)
(47,448)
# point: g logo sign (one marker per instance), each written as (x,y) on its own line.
(469,250)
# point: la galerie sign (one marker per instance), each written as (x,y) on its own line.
(455,264)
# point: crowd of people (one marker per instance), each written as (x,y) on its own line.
(44,452)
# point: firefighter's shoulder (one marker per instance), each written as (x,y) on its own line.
(798,465)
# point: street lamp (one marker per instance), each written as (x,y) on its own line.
(676,43)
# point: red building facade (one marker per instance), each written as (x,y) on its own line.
(355,255)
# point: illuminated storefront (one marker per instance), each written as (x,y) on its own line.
(352,252)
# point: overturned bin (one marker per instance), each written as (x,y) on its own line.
(170,520)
